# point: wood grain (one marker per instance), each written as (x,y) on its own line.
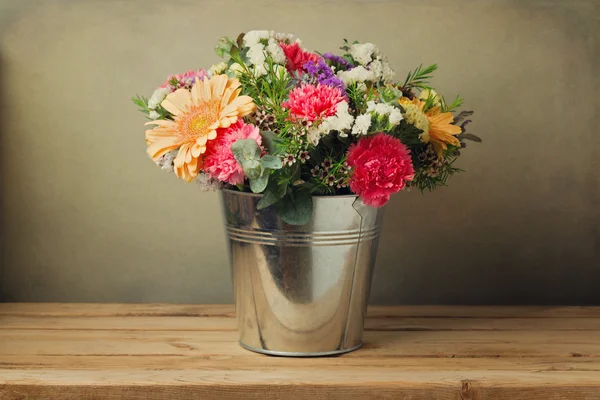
(153,351)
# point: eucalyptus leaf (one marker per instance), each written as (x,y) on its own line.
(270,162)
(223,47)
(295,208)
(245,149)
(259,184)
(252,169)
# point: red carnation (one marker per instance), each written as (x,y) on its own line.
(296,57)
(381,167)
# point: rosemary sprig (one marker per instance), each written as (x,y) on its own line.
(420,77)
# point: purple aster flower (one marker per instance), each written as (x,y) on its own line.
(323,74)
(340,61)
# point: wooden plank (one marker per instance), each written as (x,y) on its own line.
(153,351)
(121,310)
(255,362)
(292,384)
(377,343)
(189,310)
(230,324)
(102,323)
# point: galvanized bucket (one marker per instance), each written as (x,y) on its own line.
(301,291)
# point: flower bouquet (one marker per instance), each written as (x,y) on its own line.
(281,129)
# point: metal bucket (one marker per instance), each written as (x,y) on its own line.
(301,291)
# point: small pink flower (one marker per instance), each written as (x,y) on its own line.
(381,166)
(185,80)
(219,161)
(311,103)
(296,57)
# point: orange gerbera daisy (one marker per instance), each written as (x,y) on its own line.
(436,125)
(197,114)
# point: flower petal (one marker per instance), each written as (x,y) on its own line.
(177,102)
(162,122)
(219,85)
(201,140)
(197,149)
(160,148)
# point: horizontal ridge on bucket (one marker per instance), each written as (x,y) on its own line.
(301,239)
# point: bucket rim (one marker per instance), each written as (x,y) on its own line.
(321,196)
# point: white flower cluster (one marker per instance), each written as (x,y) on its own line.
(154,101)
(379,111)
(257,51)
(208,184)
(362,124)
(357,74)
(340,122)
(157,97)
(373,65)
(166,161)
(393,113)
(218,68)
(363,53)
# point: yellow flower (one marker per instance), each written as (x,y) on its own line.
(426,93)
(441,130)
(436,126)
(197,114)
(413,113)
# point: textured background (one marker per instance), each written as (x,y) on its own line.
(85,216)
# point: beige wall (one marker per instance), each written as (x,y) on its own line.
(87,217)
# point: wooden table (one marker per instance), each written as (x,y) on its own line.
(119,351)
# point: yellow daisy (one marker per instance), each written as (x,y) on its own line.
(197,114)
(436,125)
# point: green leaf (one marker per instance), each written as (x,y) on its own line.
(245,149)
(462,116)
(234,52)
(295,208)
(271,141)
(272,195)
(240,40)
(408,134)
(389,94)
(223,47)
(270,162)
(252,169)
(259,184)
(470,136)
(419,77)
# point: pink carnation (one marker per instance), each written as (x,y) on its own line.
(312,103)
(381,167)
(219,161)
(296,57)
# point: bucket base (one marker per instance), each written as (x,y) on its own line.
(299,354)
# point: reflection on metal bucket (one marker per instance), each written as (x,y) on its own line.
(301,290)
